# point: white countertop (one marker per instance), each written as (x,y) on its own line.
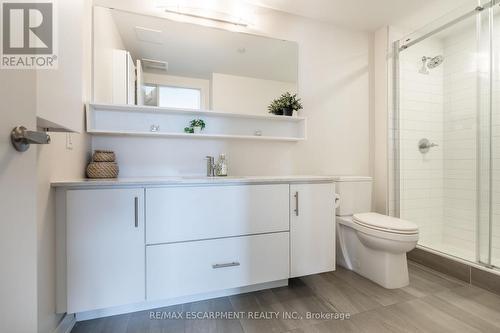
(188,180)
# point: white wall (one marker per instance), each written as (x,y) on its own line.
(246,95)
(106,39)
(59,91)
(334,84)
(71,83)
(182,81)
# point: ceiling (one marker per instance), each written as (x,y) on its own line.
(367,15)
(363,14)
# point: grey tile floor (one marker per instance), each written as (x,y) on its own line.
(433,302)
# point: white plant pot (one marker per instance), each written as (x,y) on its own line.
(197,129)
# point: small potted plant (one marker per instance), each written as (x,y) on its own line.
(285,105)
(195,126)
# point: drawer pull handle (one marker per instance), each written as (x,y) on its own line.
(296,203)
(136,211)
(229,264)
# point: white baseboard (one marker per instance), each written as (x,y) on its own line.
(66,324)
(174,301)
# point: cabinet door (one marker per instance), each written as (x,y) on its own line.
(105,248)
(312,229)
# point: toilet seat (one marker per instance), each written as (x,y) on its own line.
(385,223)
(379,233)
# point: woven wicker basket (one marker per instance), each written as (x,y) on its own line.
(103,156)
(102,170)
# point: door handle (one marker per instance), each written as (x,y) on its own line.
(296,210)
(136,211)
(21,138)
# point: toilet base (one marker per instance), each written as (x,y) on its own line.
(388,269)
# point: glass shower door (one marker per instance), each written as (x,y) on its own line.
(444,115)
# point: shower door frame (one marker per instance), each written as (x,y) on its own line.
(395,126)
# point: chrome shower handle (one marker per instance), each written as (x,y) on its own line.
(430,145)
(424,145)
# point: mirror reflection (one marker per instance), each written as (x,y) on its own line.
(146,60)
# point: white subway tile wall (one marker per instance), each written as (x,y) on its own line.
(460,142)
(421,115)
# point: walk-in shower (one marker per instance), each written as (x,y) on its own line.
(446,134)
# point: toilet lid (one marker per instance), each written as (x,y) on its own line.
(386,223)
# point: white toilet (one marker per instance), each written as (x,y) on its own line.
(371,244)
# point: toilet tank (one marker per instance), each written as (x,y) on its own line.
(355,195)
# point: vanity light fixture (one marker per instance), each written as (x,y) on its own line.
(204,17)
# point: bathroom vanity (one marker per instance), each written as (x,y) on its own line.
(134,244)
(131,244)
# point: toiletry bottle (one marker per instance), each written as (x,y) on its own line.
(222,165)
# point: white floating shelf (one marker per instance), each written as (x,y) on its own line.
(133,120)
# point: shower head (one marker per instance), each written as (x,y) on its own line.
(434,62)
(430,63)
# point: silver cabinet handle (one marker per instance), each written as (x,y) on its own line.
(296,210)
(229,264)
(136,207)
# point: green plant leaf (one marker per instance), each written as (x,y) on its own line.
(285,101)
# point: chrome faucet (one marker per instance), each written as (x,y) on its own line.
(210,166)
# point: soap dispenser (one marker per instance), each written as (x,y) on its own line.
(222,166)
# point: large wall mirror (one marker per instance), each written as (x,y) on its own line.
(147,60)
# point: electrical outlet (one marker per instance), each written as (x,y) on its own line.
(69,141)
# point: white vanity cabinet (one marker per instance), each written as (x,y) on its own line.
(312,229)
(152,244)
(104,248)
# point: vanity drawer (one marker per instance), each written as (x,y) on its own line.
(190,268)
(187,213)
